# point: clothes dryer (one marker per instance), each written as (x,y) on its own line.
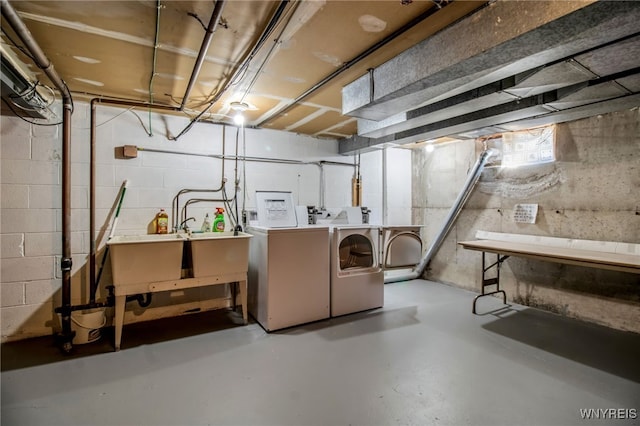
(357,279)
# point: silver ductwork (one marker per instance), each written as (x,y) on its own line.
(566,61)
(450,220)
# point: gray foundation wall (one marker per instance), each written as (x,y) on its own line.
(591,191)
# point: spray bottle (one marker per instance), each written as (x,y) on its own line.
(218,222)
(206,224)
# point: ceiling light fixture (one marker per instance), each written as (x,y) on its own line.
(238,119)
(239,108)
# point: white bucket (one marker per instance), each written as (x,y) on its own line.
(87,325)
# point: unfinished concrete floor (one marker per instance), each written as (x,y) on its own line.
(423,359)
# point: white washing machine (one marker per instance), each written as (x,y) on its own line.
(288,277)
(357,280)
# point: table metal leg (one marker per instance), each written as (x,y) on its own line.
(119,319)
(487,282)
(243,299)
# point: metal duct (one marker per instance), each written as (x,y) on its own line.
(561,58)
(530,36)
(450,220)
(588,66)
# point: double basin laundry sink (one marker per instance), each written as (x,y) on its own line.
(162,257)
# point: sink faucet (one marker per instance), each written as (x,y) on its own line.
(184,225)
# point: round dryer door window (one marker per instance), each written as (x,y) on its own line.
(356,251)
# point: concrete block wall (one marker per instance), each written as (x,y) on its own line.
(589,192)
(30,222)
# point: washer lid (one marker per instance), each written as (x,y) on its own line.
(275,209)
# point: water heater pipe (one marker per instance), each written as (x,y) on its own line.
(450,220)
(356,183)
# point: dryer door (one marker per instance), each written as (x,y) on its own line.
(402,250)
(356,250)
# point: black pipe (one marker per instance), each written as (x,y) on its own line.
(109,303)
(66,262)
(144,300)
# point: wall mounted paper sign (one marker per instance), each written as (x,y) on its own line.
(525,213)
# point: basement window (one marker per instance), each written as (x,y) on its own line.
(524,148)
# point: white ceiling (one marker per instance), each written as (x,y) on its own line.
(106,49)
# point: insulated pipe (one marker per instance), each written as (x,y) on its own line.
(206,41)
(44,64)
(458,204)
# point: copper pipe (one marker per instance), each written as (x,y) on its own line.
(66,262)
(92,203)
(123,102)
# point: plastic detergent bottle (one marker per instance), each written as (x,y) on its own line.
(162,222)
(218,222)
(206,224)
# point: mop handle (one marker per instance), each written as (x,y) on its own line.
(92,295)
(115,219)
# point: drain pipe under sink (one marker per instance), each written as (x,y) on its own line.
(458,204)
